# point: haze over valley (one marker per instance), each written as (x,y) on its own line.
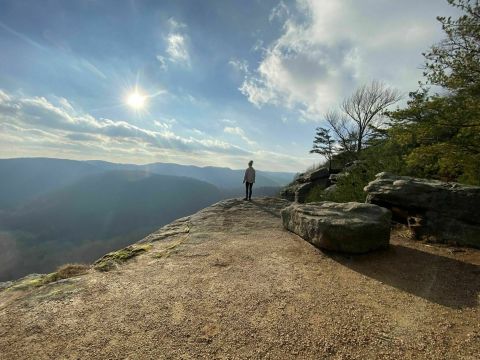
(55,211)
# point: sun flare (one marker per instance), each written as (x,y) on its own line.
(136,100)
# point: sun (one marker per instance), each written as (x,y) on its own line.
(136,100)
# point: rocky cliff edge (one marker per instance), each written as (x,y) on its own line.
(230,282)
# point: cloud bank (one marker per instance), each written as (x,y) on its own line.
(329,47)
(40,122)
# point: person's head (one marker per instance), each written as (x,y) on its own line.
(250,163)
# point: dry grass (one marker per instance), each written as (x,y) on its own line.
(70,270)
(63,272)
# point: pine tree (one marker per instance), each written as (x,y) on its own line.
(324,144)
(454,62)
(442,131)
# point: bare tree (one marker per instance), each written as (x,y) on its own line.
(343,129)
(361,114)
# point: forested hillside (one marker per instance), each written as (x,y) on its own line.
(97,214)
(436,135)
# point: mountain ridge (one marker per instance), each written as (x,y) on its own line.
(98,213)
(22,179)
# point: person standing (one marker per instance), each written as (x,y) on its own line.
(248,180)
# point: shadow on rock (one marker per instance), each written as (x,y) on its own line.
(435,278)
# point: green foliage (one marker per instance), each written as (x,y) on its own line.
(435,136)
(443,131)
(454,63)
(440,136)
(382,155)
(341,159)
(316,194)
(323,144)
(348,188)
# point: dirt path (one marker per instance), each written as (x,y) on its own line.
(231,283)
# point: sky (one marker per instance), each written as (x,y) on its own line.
(221,82)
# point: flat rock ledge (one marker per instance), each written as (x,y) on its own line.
(347,227)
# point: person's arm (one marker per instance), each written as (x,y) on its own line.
(253,175)
(245,176)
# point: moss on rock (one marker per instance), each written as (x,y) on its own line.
(112,259)
(36,280)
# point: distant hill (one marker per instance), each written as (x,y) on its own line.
(94,215)
(24,179)
(223,178)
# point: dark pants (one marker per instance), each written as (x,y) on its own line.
(248,190)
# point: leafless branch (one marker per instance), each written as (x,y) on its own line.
(365,107)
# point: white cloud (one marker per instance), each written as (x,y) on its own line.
(36,126)
(240,133)
(198,132)
(228,121)
(162,61)
(162,125)
(258,45)
(329,47)
(175,25)
(176,42)
(281,162)
(279,12)
(177,48)
(38,120)
(239,65)
(92,68)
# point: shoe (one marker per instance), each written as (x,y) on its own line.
(245,199)
(250,199)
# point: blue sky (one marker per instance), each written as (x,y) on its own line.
(224,81)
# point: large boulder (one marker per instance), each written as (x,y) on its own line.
(303,183)
(434,210)
(346,227)
(320,173)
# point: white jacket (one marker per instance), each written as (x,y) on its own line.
(249,175)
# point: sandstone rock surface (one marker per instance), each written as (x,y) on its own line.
(435,210)
(348,227)
(229,282)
